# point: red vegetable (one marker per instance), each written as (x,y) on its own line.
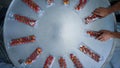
(32,5)
(48,61)
(25,20)
(33,56)
(62,63)
(76,61)
(22,40)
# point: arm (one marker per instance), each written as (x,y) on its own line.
(105,35)
(116,34)
(102,11)
(115,7)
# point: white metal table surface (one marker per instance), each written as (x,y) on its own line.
(59,32)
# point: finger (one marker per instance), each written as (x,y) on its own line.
(100,37)
(98,8)
(96,12)
(105,39)
(102,31)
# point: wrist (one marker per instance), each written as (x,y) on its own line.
(110,10)
(113,34)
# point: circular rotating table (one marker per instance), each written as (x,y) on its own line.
(59,32)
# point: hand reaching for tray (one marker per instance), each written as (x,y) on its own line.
(105,35)
(102,12)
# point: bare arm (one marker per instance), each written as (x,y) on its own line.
(115,7)
(102,11)
(116,34)
(106,34)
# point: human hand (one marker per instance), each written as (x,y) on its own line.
(105,35)
(102,12)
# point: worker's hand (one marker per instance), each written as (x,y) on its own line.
(105,35)
(102,12)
